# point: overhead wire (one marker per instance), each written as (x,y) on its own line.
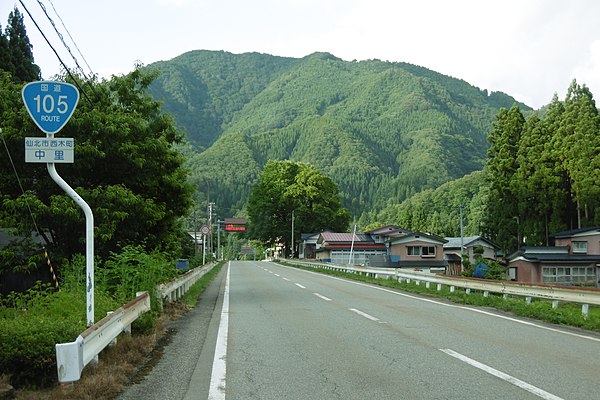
(71,37)
(56,53)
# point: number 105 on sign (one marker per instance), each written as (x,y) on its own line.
(50,104)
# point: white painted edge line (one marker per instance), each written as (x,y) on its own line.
(216,389)
(578,335)
(322,297)
(499,374)
(300,286)
(364,314)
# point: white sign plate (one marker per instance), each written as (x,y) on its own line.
(49,150)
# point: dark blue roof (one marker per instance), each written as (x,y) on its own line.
(573,232)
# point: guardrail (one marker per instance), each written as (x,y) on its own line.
(583,296)
(177,287)
(72,357)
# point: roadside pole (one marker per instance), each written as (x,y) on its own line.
(51,105)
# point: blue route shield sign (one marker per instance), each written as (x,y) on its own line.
(50,104)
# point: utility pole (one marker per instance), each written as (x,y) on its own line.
(292,234)
(210,215)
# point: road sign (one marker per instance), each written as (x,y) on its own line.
(50,104)
(205,230)
(49,150)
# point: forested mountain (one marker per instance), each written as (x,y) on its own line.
(382,131)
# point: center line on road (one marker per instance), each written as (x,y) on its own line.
(322,297)
(285,279)
(300,286)
(277,275)
(364,314)
(499,374)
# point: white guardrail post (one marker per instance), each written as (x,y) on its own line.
(72,357)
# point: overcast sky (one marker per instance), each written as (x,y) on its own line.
(529,49)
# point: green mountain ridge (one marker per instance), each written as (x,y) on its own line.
(382,131)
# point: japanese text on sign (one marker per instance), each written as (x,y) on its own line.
(49,150)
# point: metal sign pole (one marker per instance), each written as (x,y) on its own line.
(89,240)
(51,105)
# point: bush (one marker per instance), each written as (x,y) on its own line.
(32,323)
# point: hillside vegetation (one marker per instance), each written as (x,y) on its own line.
(382,131)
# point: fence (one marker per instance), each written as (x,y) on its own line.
(583,296)
(72,357)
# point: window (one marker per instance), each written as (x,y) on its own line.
(413,250)
(579,247)
(424,251)
(428,251)
(580,276)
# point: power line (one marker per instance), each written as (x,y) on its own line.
(72,40)
(56,53)
(62,39)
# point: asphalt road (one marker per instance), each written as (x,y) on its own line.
(293,334)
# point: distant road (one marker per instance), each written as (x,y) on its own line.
(294,334)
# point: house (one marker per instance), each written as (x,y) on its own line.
(307,248)
(347,248)
(573,260)
(417,250)
(453,252)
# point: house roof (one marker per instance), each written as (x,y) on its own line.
(396,237)
(454,242)
(576,232)
(344,237)
(386,230)
(558,257)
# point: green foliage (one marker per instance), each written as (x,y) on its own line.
(287,187)
(127,170)
(132,270)
(16,56)
(544,173)
(32,323)
(438,210)
(382,131)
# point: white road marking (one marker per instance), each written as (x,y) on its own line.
(322,297)
(499,374)
(595,339)
(364,314)
(285,279)
(216,390)
(277,275)
(300,286)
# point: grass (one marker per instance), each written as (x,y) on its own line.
(568,314)
(124,362)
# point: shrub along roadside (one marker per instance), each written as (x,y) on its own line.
(566,313)
(128,360)
(32,323)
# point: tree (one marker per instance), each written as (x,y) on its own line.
(578,144)
(5,64)
(502,218)
(286,187)
(20,53)
(126,169)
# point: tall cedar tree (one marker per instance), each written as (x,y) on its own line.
(502,221)
(578,149)
(284,187)
(16,50)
